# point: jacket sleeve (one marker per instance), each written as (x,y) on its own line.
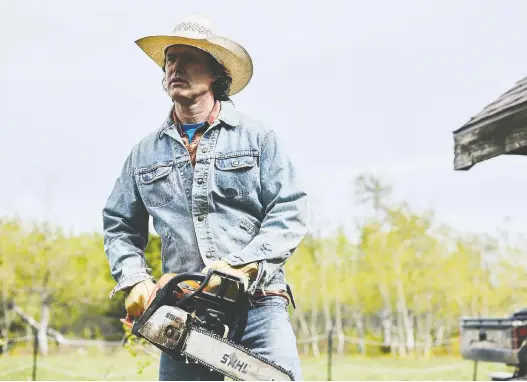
(125,227)
(284,223)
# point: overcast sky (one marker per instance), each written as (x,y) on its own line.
(350,86)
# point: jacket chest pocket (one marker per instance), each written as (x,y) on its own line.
(155,184)
(237,173)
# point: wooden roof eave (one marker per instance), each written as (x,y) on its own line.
(499,134)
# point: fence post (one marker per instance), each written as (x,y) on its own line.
(330,351)
(35,353)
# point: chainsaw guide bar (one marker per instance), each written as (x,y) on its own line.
(229,359)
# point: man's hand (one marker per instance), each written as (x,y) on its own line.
(136,300)
(142,294)
(245,272)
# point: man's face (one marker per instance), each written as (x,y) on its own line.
(187,74)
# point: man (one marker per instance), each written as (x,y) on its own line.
(220,189)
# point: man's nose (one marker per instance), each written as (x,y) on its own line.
(179,65)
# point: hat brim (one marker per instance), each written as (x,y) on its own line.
(227,52)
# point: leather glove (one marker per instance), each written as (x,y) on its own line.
(146,294)
(136,300)
(246,272)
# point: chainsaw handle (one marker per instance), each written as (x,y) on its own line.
(166,293)
(195,276)
(170,285)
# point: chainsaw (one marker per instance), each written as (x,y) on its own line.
(186,320)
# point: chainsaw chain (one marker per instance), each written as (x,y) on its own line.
(230,343)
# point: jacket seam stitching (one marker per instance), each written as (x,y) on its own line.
(266,139)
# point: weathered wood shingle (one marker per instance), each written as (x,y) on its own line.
(500,128)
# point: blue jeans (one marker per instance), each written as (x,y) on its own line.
(268,333)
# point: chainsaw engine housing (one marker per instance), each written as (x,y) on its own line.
(166,328)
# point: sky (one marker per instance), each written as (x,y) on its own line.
(350,86)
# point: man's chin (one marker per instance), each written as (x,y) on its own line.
(181,96)
(185,96)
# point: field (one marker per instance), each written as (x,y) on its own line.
(122,365)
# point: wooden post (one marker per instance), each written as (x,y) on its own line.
(330,350)
(35,353)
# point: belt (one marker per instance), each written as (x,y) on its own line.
(287,294)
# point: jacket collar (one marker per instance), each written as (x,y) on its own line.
(228,115)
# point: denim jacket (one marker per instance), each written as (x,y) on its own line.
(241,203)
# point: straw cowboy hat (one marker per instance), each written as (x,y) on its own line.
(196,31)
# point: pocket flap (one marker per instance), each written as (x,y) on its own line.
(152,174)
(233,163)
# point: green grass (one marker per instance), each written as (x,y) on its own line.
(121,365)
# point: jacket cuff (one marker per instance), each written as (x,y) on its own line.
(235,261)
(129,281)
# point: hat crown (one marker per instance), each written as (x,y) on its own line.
(194,27)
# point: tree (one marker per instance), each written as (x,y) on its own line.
(56,278)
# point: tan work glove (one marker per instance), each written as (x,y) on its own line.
(136,300)
(142,294)
(246,272)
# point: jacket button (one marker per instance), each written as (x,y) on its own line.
(204,149)
(231,193)
(200,181)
